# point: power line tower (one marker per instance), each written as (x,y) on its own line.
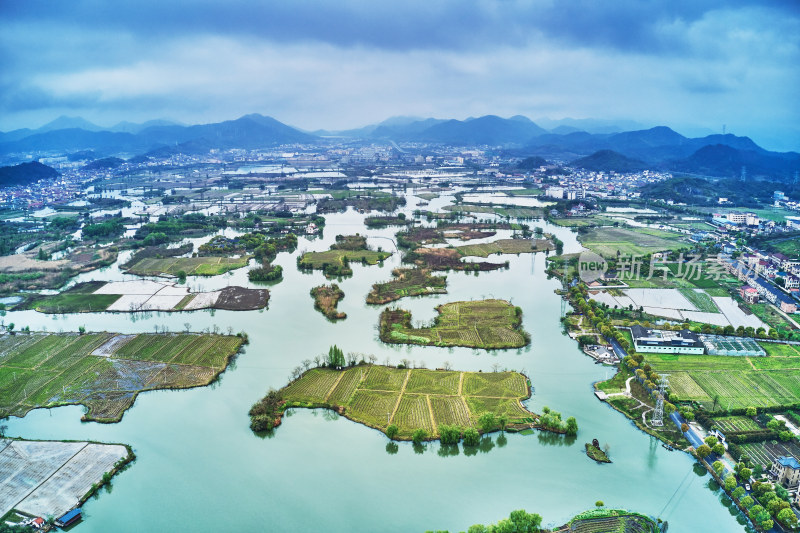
(658,414)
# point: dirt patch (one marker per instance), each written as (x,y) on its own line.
(448,259)
(242,299)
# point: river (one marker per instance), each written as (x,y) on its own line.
(200,467)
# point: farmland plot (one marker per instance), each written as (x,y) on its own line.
(103,371)
(412,399)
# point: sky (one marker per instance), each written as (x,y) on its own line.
(695,65)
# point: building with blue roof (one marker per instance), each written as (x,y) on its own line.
(786,471)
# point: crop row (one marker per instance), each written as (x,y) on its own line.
(683,387)
(413,414)
(372,407)
(340,395)
(433,382)
(496,384)
(450,410)
(313,387)
(384,378)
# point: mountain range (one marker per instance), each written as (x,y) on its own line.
(657,148)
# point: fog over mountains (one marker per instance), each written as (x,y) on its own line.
(599,149)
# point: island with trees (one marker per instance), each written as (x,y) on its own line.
(486,324)
(414,404)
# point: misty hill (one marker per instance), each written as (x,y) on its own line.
(249,131)
(132,127)
(105,163)
(702,191)
(489,129)
(26,173)
(723,160)
(609,160)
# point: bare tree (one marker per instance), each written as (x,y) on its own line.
(230,330)
(216,329)
(447,366)
(318,360)
(306,364)
(421,363)
(372,359)
(405,362)
(352,358)
(187,327)
(495,367)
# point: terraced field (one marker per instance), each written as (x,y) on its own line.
(487,324)
(104,371)
(411,399)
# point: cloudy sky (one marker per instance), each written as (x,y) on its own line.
(693,65)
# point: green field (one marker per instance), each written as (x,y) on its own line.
(335,262)
(407,282)
(506,246)
(487,324)
(607,241)
(379,396)
(735,382)
(734,424)
(780,350)
(512,212)
(192,266)
(104,371)
(700,300)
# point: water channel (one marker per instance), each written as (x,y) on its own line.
(199,466)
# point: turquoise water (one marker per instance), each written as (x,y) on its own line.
(199,466)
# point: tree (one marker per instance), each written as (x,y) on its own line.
(738,492)
(487,422)
(703,451)
(684,427)
(449,434)
(525,522)
(335,357)
(471,437)
(745,473)
(81,330)
(718,467)
(718,448)
(599,503)
(572,426)
(711,440)
(418,436)
(502,420)
(730,482)
(751,411)
(392,431)
(747,502)
(787,518)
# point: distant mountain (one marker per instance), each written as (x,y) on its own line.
(609,160)
(400,130)
(63,122)
(489,130)
(590,125)
(531,163)
(26,173)
(249,131)
(726,161)
(132,127)
(105,163)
